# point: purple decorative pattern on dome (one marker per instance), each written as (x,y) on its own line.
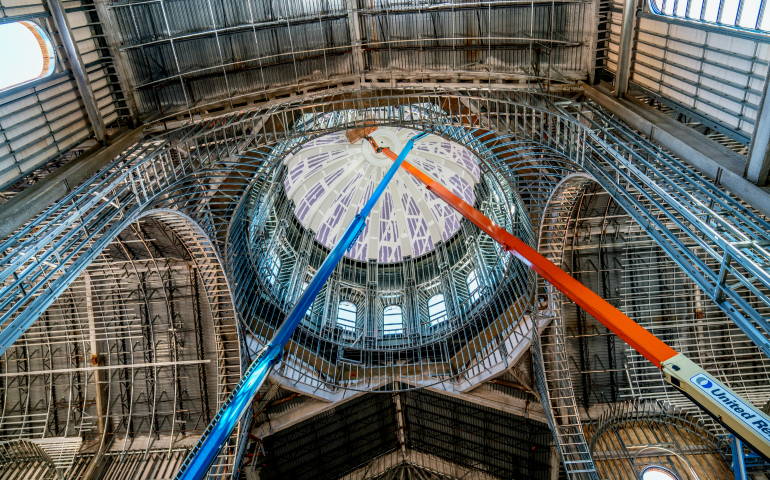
(451,221)
(331,139)
(308,200)
(465,158)
(389,241)
(360,248)
(446,217)
(417,227)
(449,178)
(461,188)
(306,167)
(338,208)
(325,200)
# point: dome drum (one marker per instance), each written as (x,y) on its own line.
(397,298)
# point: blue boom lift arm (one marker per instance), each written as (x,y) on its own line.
(200,458)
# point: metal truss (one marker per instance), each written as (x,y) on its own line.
(663,299)
(375,433)
(195,53)
(720,242)
(133,356)
(521,448)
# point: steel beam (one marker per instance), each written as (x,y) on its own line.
(714,161)
(60,371)
(111,30)
(78,69)
(101,395)
(758,165)
(28,204)
(626,47)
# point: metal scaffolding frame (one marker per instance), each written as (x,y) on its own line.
(661,297)
(353,357)
(204,169)
(553,381)
(187,55)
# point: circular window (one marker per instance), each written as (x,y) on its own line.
(656,472)
(26,54)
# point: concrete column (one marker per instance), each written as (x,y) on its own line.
(758,165)
(626,44)
(78,69)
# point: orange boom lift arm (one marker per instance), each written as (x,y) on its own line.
(726,406)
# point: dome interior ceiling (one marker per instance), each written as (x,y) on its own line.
(329,180)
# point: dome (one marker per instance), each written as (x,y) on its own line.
(329,180)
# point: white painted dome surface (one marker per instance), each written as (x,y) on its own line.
(330,180)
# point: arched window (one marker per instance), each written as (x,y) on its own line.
(436,309)
(393,320)
(473,286)
(26,54)
(731,13)
(346,316)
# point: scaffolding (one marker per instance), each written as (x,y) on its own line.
(206,170)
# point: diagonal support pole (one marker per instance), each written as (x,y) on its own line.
(200,458)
